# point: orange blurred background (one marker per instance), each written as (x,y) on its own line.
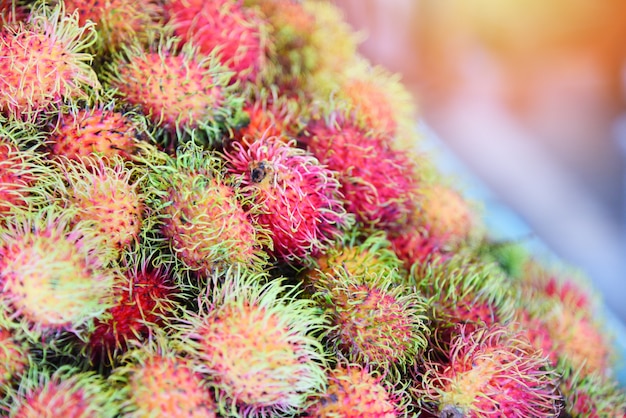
(530,94)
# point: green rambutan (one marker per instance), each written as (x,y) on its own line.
(144,296)
(237,35)
(592,395)
(100,130)
(376,321)
(45,63)
(299,198)
(118,21)
(155,381)
(257,345)
(355,392)
(201,214)
(491,372)
(52,275)
(67,392)
(179,90)
(379,183)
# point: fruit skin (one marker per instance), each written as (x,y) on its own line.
(185,95)
(201,214)
(299,198)
(154,380)
(257,344)
(491,372)
(67,392)
(55,277)
(100,130)
(355,392)
(380,184)
(237,35)
(45,64)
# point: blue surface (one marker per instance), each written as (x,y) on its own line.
(503,223)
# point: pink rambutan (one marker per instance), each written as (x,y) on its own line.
(44,63)
(154,380)
(237,35)
(180,91)
(65,393)
(491,372)
(257,345)
(202,215)
(299,198)
(17,175)
(15,356)
(144,296)
(355,392)
(378,182)
(117,21)
(100,130)
(53,276)
(413,244)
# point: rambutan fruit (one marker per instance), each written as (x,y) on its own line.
(15,356)
(103,193)
(378,182)
(464,291)
(53,276)
(366,257)
(257,344)
(45,63)
(413,244)
(117,21)
(201,213)
(376,321)
(491,372)
(178,89)
(237,35)
(100,130)
(65,393)
(355,392)
(154,380)
(299,198)
(144,296)
(592,395)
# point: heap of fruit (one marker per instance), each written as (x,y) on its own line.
(216,208)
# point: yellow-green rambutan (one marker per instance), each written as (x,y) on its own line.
(54,276)
(45,63)
(299,198)
(490,372)
(200,212)
(153,379)
(257,345)
(179,90)
(66,392)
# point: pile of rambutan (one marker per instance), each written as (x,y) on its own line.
(209,209)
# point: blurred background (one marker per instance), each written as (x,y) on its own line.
(530,96)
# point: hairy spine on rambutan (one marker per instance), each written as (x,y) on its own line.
(379,183)
(100,130)
(153,379)
(299,198)
(237,35)
(145,296)
(257,344)
(45,63)
(53,276)
(183,93)
(464,291)
(118,21)
(491,372)
(355,392)
(66,392)
(200,212)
